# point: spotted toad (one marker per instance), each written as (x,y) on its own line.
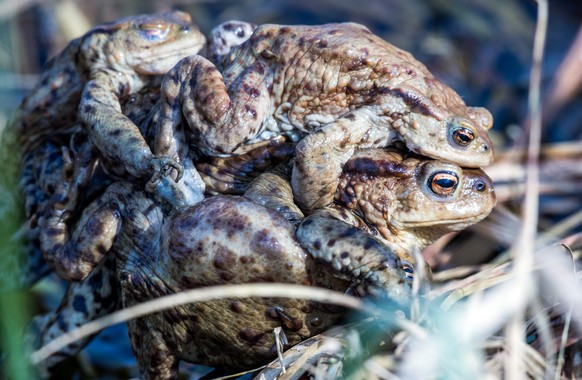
(338,85)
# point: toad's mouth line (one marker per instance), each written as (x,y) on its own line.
(438,222)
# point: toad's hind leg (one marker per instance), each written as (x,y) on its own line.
(193,88)
(92,298)
(221,118)
(154,358)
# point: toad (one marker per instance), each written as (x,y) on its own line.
(338,86)
(234,239)
(90,75)
(223,240)
(402,200)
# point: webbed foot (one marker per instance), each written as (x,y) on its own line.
(172,193)
(165,167)
(78,166)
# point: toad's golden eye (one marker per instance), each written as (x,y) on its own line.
(463,136)
(154,30)
(443,183)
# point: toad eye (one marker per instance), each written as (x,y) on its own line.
(408,270)
(155,30)
(463,136)
(443,183)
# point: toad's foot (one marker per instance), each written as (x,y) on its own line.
(174,194)
(79,163)
(163,167)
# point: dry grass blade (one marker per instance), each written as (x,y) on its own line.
(523,251)
(206,294)
(567,81)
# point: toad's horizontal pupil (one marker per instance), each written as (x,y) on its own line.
(445,182)
(464,135)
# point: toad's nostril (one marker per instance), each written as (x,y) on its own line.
(480,186)
(485,148)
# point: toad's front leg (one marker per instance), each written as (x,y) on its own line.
(321,155)
(116,137)
(355,255)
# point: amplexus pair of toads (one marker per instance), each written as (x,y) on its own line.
(336,90)
(337,87)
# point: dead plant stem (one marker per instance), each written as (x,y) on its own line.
(523,251)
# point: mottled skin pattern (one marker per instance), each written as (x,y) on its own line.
(339,84)
(362,245)
(94,71)
(233,174)
(42,174)
(97,295)
(193,247)
(118,57)
(94,297)
(123,64)
(405,203)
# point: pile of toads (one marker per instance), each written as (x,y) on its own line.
(315,155)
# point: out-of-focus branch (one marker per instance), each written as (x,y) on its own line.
(567,81)
(10,8)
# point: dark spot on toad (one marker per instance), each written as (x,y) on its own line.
(315,322)
(272,313)
(251,111)
(79,304)
(250,335)
(101,249)
(369,244)
(253,92)
(263,243)
(237,306)
(88,108)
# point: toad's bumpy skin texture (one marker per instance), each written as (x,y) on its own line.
(117,58)
(362,241)
(404,203)
(223,240)
(110,62)
(339,84)
(91,74)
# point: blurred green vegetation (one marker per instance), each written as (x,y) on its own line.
(14,304)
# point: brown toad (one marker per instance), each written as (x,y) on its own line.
(405,201)
(338,85)
(92,73)
(223,240)
(230,239)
